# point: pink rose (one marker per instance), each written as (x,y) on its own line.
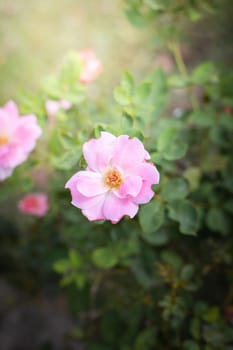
(117,179)
(91,66)
(34,204)
(18,137)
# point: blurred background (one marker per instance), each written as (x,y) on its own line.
(35,36)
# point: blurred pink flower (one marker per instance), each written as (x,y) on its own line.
(18,137)
(34,204)
(117,179)
(53,106)
(91,66)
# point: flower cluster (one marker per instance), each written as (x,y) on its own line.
(18,137)
(117,179)
(118,176)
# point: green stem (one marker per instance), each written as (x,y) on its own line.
(175,49)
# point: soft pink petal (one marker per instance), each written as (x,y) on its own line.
(27,133)
(145,195)
(78,199)
(52,107)
(115,208)
(91,206)
(95,212)
(128,152)
(11,109)
(148,172)
(130,187)
(13,157)
(20,133)
(7,125)
(90,183)
(98,152)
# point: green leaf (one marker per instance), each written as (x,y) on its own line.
(202,118)
(135,17)
(186,214)
(220,136)
(178,81)
(158,238)
(187,272)
(204,73)
(151,217)
(80,280)
(105,257)
(172,144)
(218,221)
(142,93)
(212,314)
(127,248)
(175,189)
(127,83)
(121,96)
(75,259)
(61,266)
(142,275)
(193,176)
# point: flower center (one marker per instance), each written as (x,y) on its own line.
(113,178)
(3,140)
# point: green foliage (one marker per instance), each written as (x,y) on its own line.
(161,280)
(151,217)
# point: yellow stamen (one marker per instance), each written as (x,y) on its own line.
(113,178)
(3,140)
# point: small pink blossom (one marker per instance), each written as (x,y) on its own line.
(53,106)
(18,137)
(91,66)
(34,204)
(117,179)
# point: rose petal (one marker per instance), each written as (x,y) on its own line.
(27,133)
(90,183)
(145,195)
(98,152)
(148,172)
(115,208)
(79,200)
(11,109)
(128,152)
(95,212)
(131,186)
